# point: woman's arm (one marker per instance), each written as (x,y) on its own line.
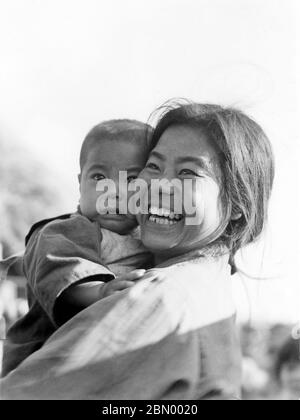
(122,347)
(143,343)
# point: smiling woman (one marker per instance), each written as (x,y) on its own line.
(231,158)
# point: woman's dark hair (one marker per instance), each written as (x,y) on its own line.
(246,159)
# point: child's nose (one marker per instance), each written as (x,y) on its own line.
(121,189)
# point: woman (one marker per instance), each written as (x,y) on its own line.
(172,335)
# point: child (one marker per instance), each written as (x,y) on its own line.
(71,262)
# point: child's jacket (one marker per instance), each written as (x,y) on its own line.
(58,255)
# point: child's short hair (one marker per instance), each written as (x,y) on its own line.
(124,129)
(247,163)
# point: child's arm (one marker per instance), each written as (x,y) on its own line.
(63,254)
(79,296)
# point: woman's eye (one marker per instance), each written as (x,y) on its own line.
(98,177)
(188,172)
(152,166)
(131,178)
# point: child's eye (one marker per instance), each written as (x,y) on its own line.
(152,166)
(98,177)
(131,178)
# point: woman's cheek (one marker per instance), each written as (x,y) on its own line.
(193,194)
(145,176)
(144,190)
(212,208)
(205,198)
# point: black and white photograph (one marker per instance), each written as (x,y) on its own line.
(149,202)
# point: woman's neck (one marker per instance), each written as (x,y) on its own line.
(164,259)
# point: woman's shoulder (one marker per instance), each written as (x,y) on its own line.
(198,291)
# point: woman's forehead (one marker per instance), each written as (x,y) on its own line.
(185,141)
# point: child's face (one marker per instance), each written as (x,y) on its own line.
(183,153)
(105,160)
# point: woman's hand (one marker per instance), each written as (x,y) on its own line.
(121,283)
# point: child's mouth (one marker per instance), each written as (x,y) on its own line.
(112,212)
(114,215)
(162,216)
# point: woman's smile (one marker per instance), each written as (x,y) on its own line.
(163,216)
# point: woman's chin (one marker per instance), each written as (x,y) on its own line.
(161,237)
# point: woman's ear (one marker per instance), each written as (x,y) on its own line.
(236,216)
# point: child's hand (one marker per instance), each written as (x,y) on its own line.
(120,283)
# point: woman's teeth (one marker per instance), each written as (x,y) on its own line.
(162,221)
(163,216)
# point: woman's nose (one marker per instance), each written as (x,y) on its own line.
(169,174)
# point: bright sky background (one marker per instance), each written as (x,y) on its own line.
(65,65)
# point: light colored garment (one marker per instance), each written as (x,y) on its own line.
(173,338)
(62,253)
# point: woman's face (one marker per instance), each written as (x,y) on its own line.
(182,153)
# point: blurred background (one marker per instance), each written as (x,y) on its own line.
(67,65)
